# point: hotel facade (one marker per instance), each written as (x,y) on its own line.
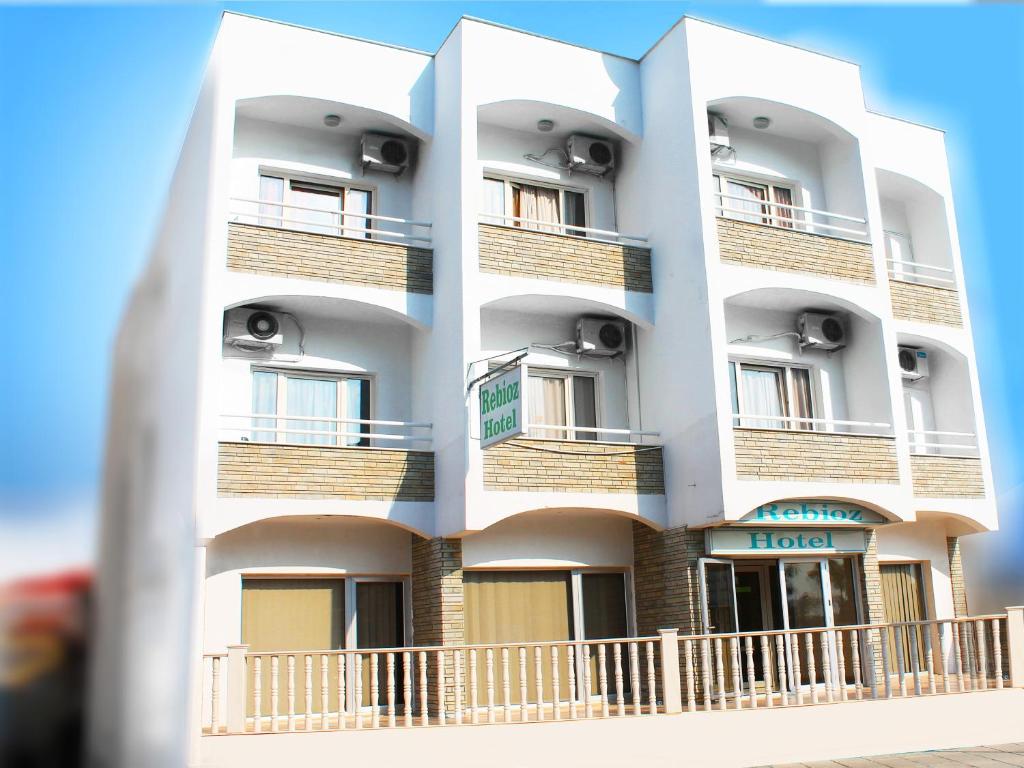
(520,381)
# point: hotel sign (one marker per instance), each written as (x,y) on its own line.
(503,406)
(774,541)
(811,512)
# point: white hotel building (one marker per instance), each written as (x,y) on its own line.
(735,300)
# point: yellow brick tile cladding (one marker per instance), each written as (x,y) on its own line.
(317,472)
(947,477)
(765,454)
(957,583)
(532,465)
(786,250)
(521,253)
(309,256)
(925,303)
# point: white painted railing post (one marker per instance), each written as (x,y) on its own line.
(671,691)
(237,688)
(1015,644)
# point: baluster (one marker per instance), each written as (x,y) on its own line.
(308,698)
(968,655)
(737,685)
(691,688)
(900,659)
(883,643)
(620,695)
(780,662)
(858,686)
(840,666)
(766,671)
(489,660)
(324,691)
(556,694)
(942,652)
(997,654)
(929,658)
(588,705)
(570,654)
(291,693)
(389,662)
(357,688)
(374,691)
(812,671)
(424,706)
(720,673)
(440,688)
(979,629)
(748,643)
(275,668)
(602,677)
(523,710)
(915,656)
(826,667)
(798,688)
(473,694)
(705,672)
(506,685)
(215,694)
(257,693)
(457,674)
(538,681)
(407,688)
(652,692)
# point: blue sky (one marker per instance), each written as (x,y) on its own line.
(96,101)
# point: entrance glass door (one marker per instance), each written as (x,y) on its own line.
(718,596)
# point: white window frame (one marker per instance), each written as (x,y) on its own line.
(510,181)
(570,404)
(281,403)
(768,218)
(342,185)
(787,369)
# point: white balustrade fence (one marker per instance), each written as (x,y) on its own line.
(792,217)
(557,228)
(324,431)
(918,272)
(931,442)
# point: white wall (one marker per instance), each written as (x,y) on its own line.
(924,542)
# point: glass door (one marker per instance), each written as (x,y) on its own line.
(718,606)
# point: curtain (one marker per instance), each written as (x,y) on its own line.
(783,216)
(357,406)
(540,204)
(357,201)
(547,406)
(802,397)
(584,406)
(271,189)
(750,207)
(492,201)
(762,396)
(903,597)
(326,201)
(264,400)
(312,397)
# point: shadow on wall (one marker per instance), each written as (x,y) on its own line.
(993,566)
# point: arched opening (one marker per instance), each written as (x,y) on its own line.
(917,244)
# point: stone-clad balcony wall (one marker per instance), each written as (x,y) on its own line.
(947,477)
(545,256)
(327,258)
(778,454)
(271,470)
(574,467)
(789,250)
(925,303)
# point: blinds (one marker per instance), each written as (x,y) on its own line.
(904,600)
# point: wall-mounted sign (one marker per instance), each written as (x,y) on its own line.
(811,512)
(775,542)
(503,406)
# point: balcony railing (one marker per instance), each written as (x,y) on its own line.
(532,682)
(791,217)
(256,211)
(337,432)
(806,424)
(922,274)
(556,228)
(584,434)
(938,443)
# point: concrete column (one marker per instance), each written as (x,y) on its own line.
(237,688)
(195,719)
(671,688)
(1015,644)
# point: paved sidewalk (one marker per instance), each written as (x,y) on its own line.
(996,756)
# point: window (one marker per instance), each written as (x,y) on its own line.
(318,397)
(752,201)
(904,598)
(319,207)
(771,390)
(559,399)
(503,198)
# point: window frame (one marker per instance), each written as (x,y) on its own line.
(570,403)
(736,365)
(341,399)
(769,185)
(510,181)
(343,186)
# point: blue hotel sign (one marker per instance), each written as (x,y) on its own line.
(811,512)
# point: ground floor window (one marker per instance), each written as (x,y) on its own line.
(904,599)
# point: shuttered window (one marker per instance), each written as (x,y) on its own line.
(903,594)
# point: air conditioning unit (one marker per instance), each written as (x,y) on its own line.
(255,329)
(385,153)
(589,155)
(821,331)
(600,337)
(718,132)
(913,363)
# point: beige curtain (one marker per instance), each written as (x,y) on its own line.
(783,217)
(540,204)
(903,596)
(547,406)
(802,398)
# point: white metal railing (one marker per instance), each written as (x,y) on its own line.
(807,424)
(267,428)
(340,228)
(935,442)
(554,227)
(907,271)
(583,434)
(784,216)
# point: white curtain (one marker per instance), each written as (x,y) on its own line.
(539,204)
(752,197)
(357,201)
(762,396)
(271,190)
(264,400)
(312,397)
(547,406)
(492,201)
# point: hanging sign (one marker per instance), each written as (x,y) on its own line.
(811,512)
(776,542)
(503,406)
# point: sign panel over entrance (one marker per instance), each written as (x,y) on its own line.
(503,406)
(812,512)
(773,541)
